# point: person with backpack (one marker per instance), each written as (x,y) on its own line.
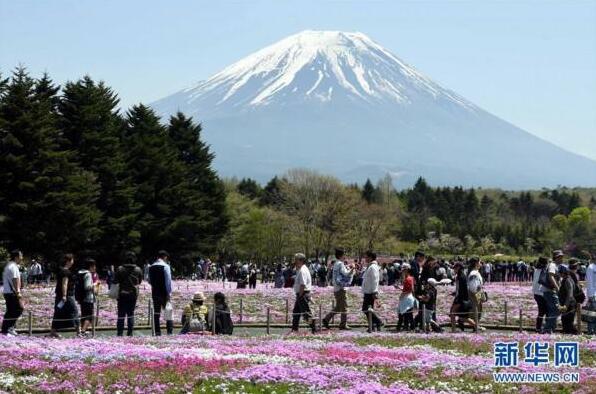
(160,278)
(538,291)
(194,317)
(341,278)
(66,314)
(128,277)
(85,294)
(567,301)
(11,281)
(223,316)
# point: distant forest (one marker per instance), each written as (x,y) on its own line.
(79,175)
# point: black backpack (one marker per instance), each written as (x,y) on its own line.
(80,293)
(578,294)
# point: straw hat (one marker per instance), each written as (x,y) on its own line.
(199,296)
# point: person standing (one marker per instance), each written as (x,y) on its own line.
(370,290)
(461,307)
(85,294)
(35,272)
(110,276)
(539,292)
(128,276)
(160,278)
(302,289)
(11,280)
(591,294)
(407,302)
(551,292)
(475,288)
(567,300)
(66,314)
(341,278)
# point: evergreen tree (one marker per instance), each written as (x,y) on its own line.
(91,126)
(368,191)
(195,154)
(172,213)
(249,188)
(271,195)
(48,201)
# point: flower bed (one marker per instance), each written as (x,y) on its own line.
(332,362)
(256,301)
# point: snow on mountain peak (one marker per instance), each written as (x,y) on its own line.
(317,66)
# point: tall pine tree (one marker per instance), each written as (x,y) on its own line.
(91,125)
(47,199)
(173,211)
(195,154)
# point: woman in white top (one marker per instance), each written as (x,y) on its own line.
(539,292)
(475,289)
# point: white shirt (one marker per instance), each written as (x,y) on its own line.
(36,269)
(370,281)
(303,278)
(11,272)
(537,287)
(339,268)
(474,282)
(591,280)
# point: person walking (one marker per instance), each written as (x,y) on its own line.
(11,280)
(341,278)
(66,314)
(567,300)
(475,289)
(591,294)
(407,302)
(302,289)
(85,294)
(370,291)
(538,292)
(550,286)
(461,307)
(160,278)
(128,276)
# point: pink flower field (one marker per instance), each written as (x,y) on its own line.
(323,363)
(256,301)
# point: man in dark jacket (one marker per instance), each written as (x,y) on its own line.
(128,276)
(160,278)
(567,301)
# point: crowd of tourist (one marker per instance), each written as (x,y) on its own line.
(555,285)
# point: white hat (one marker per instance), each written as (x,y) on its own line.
(406,266)
(432,282)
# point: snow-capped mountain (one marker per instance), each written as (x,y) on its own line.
(341,103)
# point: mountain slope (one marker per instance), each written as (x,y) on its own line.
(341,103)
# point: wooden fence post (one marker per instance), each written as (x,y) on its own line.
(30,323)
(520,320)
(287,310)
(506,313)
(241,310)
(333,310)
(149,317)
(97,312)
(214,319)
(268,320)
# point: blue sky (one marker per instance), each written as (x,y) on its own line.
(532,63)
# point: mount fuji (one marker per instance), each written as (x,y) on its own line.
(340,103)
